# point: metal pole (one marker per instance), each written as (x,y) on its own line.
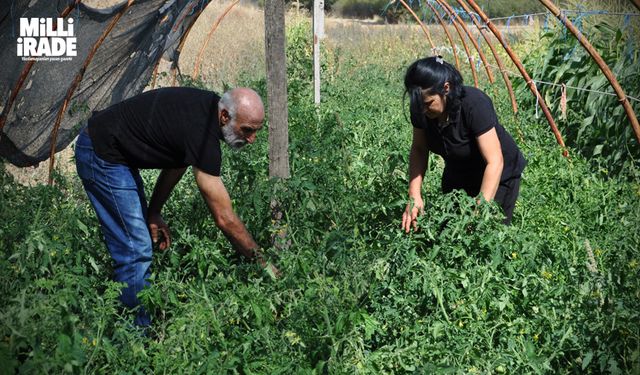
(318,33)
(503,71)
(523,72)
(424,28)
(453,14)
(446,31)
(74,85)
(464,43)
(196,68)
(25,73)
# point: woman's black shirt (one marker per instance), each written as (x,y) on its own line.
(456,141)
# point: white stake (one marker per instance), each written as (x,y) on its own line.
(318,33)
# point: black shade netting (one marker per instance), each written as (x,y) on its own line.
(120,67)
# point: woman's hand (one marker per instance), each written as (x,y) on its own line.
(418,162)
(159,230)
(410,215)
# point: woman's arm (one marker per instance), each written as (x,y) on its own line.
(418,162)
(491,151)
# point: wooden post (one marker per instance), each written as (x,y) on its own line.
(636,3)
(318,33)
(274,35)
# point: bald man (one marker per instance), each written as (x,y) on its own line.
(168,129)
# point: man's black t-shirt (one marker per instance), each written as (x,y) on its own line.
(456,141)
(165,128)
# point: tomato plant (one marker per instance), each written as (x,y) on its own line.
(555,292)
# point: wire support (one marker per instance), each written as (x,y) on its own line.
(579,12)
(536,81)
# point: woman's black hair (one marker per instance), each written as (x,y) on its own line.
(431,73)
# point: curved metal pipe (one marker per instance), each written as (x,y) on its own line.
(183,40)
(25,72)
(622,97)
(503,70)
(424,28)
(444,26)
(525,75)
(464,43)
(473,40)
(196,68)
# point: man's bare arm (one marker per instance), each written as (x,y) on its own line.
(165,183)
(219,203)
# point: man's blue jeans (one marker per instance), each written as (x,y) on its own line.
(117,195)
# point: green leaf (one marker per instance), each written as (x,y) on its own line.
(597,150)
(436,329)
(587,359)
(83,228)
(93,264)
(614,369)
(269,270)
(370,325)
(9,363)
(310,205)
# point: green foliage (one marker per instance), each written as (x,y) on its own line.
(371,8)
(506,8)
(299,56)
(595,124)
(556,292)
(359,8)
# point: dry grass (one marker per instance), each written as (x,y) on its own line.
(236,47)
(39,174)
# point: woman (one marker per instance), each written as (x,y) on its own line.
(458,123)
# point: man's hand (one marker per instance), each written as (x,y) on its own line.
(410,215)
(159,230)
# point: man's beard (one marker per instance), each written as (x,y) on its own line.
(231,138)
